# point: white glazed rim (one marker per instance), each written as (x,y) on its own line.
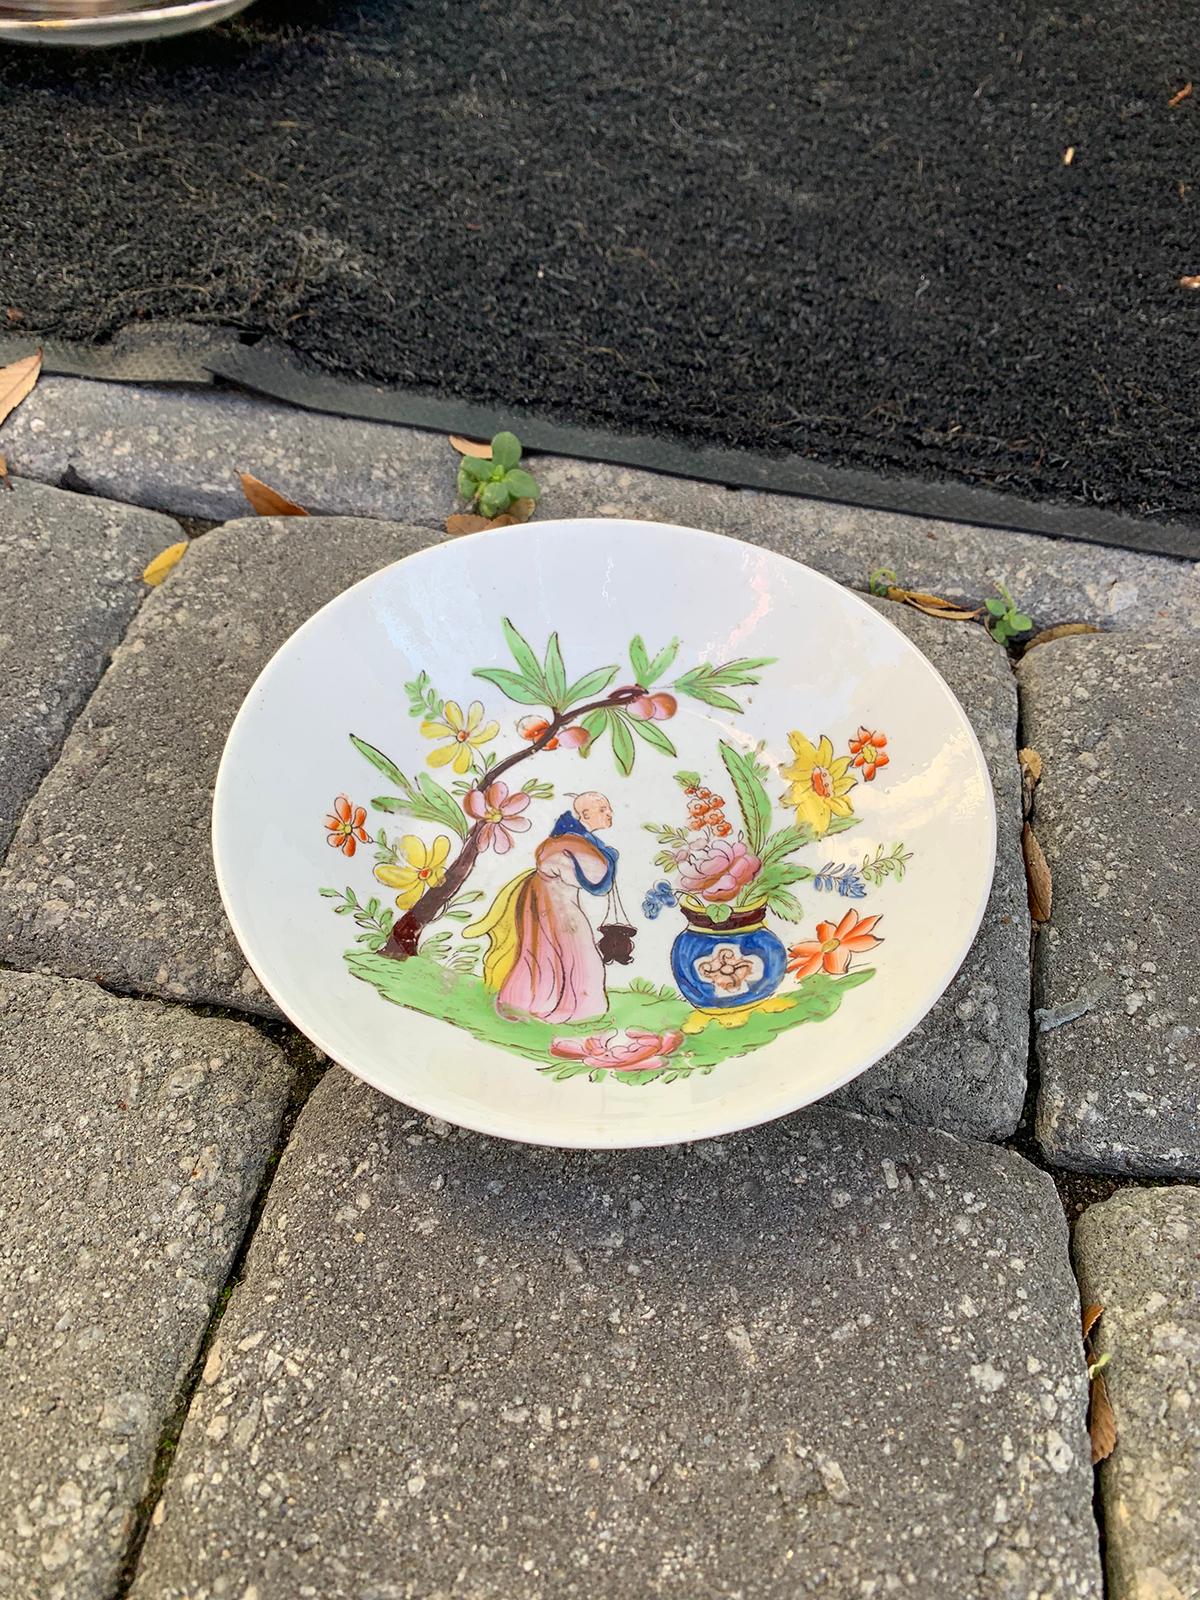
(499,1124)
(119,26)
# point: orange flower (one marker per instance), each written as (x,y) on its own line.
(345,825)
(833,946)
(867,750)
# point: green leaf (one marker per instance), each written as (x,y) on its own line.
(522,652)
(784,904)
(506,450)
(1020,623)
(514,686)
(379,761)
(622,742)
(444,804)
(996,607)
(688,780)
(840,824)
(593,725)
(474,468)
(653,734)
(329,894)
(639,660)
(521,485)
(719,913)
(710,696)
(753,800)
(592,683)
(663,661)
(555,673)
(784,842)
(494,498)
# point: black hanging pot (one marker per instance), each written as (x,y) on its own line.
(616,943)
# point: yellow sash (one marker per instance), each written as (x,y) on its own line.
(499,924)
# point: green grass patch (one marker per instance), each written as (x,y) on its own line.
(423,985)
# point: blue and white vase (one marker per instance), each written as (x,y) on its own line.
(721,965)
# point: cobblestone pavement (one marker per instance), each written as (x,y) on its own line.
(839,1356)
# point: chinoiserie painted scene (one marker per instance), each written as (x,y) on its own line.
(750,859)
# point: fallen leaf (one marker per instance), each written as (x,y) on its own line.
(1091,1316)
(268,502)
(1178,99)
(1060,630)
(17,380)
(1102,1424)
(469,522)
(1190,283)
(163,562)
(943,609)
(471,447)
(1031,772)
(521,510)
(1068,155)
(1037,874)
(4,472)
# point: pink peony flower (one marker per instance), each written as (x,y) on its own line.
(644,1051)
(716,869)
(500,813)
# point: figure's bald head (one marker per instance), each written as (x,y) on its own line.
(594,810)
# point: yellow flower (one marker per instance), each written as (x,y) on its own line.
(463,733)
(820,783)
(424,867)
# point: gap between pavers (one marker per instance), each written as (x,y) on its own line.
(1117,985)
(1138,1255)
(110,874)
(133,1140)
(824,1356)
(70,580)
(182,451)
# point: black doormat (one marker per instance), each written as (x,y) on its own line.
(838,232)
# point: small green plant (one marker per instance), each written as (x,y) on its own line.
(880,580)
(1005,621)
(492,485)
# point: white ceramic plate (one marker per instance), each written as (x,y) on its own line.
(794,892)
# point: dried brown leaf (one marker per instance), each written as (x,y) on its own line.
(1031,772)
(1037,874)
(521,510)
(479,448)
(1180,97)
(163,562)
(1091,1316)
(948,613)
(469,522)
(17,380)
(1192,282)
(1060,630)
(268,502)
(1102,1424)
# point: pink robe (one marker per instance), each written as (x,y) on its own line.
(557,974)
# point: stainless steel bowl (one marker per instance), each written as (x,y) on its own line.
(102,22)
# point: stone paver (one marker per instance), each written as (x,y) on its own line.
(1055,580)
(133,1138)
(1138,1255)
(182,450)
(1117,985)
(70,579)
(828,1357)
(964,1069)
(110,874)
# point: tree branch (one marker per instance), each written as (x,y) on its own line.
(406,932)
